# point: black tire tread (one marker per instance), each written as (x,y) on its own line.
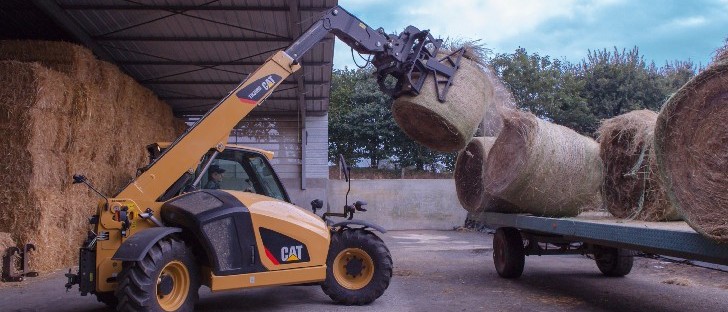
(613,262)
(137,278)
(515,257)
(382,273)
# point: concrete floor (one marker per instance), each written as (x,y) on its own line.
(449,271)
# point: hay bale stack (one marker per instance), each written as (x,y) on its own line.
(632,188)
(470,167)
(543,168)
(5,241)
(63,115)
(691,145)
(448,126)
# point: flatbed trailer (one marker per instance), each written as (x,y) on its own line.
(612,242)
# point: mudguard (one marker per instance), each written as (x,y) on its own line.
(365,225)
(137,246)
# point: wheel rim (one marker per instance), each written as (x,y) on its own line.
(353,268)
(176,272)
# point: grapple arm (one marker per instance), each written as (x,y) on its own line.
(410,58)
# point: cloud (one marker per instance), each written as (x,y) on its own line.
(688,22)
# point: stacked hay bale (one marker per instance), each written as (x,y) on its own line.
(64,112)
(5,241)
(543,168)
(470,167)
(449,126)
(632,188)
(691,145)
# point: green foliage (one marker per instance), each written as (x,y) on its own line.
(361,125)
(605,84)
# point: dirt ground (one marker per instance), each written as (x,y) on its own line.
(449,271)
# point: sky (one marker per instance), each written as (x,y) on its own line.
(563,29)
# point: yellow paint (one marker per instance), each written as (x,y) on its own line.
(270,278)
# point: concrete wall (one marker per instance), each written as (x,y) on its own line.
(402,204)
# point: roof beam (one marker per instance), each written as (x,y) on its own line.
(190,39)
(56,13)
(214,98)
(208,63)
(94,7)
(220,82)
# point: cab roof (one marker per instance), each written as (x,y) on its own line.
(266,153)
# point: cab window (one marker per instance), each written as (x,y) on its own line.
(242,171)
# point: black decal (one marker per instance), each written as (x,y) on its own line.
(281,249)
(252,93)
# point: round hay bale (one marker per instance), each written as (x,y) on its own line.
(632,188)
(543,168)
(469,184)
(449,126)
(691,145)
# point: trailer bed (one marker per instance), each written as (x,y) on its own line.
(675,239)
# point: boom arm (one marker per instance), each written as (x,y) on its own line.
(412,53)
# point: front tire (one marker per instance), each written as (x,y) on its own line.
(167,279)
(359,267)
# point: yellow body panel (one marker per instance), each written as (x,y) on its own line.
(210,132)
(271,278)
(289,220)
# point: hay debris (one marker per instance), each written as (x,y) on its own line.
(470,168)
(691,145)
(6,240)
(543,168)
(448,126)
(64,112)
(632,188)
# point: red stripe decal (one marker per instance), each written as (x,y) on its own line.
(270,256)
(246,101)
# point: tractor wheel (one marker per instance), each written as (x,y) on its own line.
(614,262)
(167,279)
(107,298)
(359,267)
(508,254)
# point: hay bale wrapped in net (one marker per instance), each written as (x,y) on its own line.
(67,113)
(447,126)
(691,145)
(543,168)
(632,188)
(469,184)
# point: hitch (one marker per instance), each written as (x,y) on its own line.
(10,268)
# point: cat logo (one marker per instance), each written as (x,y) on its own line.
(292,253)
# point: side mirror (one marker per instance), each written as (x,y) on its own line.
(316,204)
(344,167)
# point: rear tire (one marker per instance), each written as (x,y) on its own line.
(614,262)
(107,298)
(508,254)
(167,279)
(359,267)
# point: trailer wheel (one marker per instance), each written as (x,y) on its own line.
(614,262)
(167,279)
(508,254)
(359,267)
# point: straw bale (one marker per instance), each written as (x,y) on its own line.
(470,167)
(6,240)
(67,113)
(631,186)
(448,126)
(543,168)
(691,145)
(498,99)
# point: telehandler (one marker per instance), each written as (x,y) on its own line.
(164,235)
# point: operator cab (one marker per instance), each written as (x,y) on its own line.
(237,168)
